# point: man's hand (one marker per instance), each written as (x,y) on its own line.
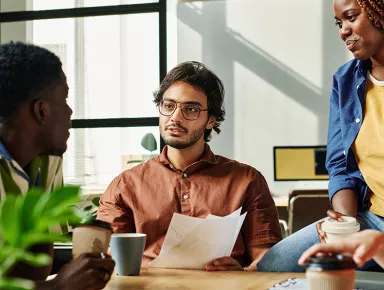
(88,271)
(224,264)
(362,246)
(333,215)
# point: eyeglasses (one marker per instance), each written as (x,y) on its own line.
(189,111)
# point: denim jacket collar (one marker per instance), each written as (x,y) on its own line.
(363,66)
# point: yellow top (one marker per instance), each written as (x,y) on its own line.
(369,144)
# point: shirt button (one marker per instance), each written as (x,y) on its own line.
(185,196)
(357,120)
(185,175)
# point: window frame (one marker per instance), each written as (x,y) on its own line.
(159,7)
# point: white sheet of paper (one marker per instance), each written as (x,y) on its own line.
(180,226)
(192,243)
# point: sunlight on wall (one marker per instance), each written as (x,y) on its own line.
(276,63)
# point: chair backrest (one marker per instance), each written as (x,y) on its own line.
(306,207)
(284,228)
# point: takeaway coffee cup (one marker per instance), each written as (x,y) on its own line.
(331,273)
(91,237)
(127,252)
(336,230)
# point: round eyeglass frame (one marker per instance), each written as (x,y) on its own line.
(178,104)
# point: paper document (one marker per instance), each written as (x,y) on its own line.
(192,243)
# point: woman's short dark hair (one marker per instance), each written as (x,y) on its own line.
(25,70)
(201,78)
(375,11)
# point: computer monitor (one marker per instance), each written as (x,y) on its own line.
(296,163)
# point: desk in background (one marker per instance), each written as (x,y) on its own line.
(280,200)
(151,279)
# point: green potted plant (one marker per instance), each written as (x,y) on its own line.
(25,221)
(149,143)
(91,210)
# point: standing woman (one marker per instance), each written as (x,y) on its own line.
(355,148)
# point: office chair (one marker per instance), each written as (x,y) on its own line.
(306,207)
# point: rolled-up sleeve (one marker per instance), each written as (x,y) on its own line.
(261,225)
(113,210)
(336,161)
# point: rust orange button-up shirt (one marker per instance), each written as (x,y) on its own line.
(144,198)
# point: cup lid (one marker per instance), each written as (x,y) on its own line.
(349,225)
(333,262)
(96,223)
(128,235)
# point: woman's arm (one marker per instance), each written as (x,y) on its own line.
(345,202)
(363,246)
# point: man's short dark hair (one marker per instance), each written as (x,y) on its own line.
(201,78)
(25,70)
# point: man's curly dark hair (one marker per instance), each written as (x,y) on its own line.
(25,70)
(201,78)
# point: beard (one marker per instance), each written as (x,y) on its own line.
(179,144)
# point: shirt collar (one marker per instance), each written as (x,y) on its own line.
(206,159)
(363,66)
(4,153)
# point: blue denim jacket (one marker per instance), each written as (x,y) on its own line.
(345,120)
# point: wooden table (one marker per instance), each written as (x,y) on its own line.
(151,279)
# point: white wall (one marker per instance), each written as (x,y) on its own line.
(13,31)
(276,59)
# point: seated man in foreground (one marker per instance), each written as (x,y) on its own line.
(34,124)
(187,178)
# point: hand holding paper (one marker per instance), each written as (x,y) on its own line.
(192,243)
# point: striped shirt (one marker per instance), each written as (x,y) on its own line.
(44,171)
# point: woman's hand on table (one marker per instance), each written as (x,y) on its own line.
(224,264)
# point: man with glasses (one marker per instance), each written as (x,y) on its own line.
(188,178)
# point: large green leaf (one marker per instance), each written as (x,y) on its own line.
(88,208)
(30,201)
(37,260)
(16,284)
(96,201)
(40,205)
(70,216)
(56,203)
(11,219)
(24,222)
(60,199)
(5,252)
(42,238)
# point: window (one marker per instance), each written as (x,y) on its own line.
(114,58)
(97,155)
